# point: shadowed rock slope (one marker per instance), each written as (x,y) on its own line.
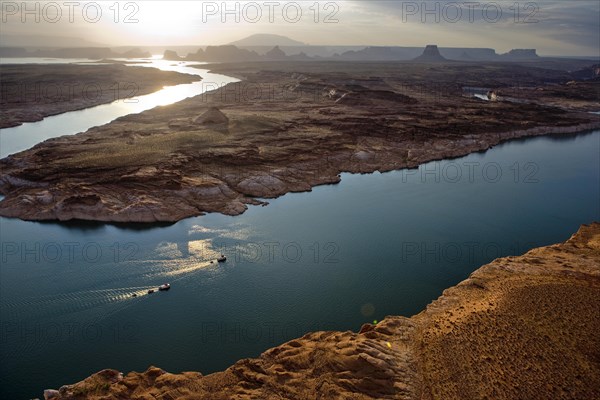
(518,328)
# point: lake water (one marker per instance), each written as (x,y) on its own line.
(22,137)
(340,256)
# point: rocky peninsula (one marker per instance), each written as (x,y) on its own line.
(520,327)
(287,127)
(31,92)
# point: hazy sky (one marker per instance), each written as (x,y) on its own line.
(553,27)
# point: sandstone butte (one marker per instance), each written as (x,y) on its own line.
(523,327)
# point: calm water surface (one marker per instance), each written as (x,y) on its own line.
(22,137)
(343,255)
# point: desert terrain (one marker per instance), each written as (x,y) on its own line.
(31,92)
(287,127)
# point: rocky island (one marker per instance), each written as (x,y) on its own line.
(520,327)
(287,127)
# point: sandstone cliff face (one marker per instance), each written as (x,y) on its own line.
(519,327)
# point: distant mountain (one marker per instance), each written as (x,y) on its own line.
(275,54)
(380,53)
(230,53)
(227,53)
(431,53)
(171,55)
(398,53)
(266,39)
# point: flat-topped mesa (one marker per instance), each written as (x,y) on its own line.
(521,54)
(430,54)
(465,56)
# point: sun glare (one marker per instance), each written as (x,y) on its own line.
(163,22)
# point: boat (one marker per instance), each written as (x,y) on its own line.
(150,291)
(222,258)
(164,286)
(134,295)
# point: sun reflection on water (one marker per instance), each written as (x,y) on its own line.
(177,259)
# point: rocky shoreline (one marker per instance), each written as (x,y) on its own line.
(519,327)
(277,131)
